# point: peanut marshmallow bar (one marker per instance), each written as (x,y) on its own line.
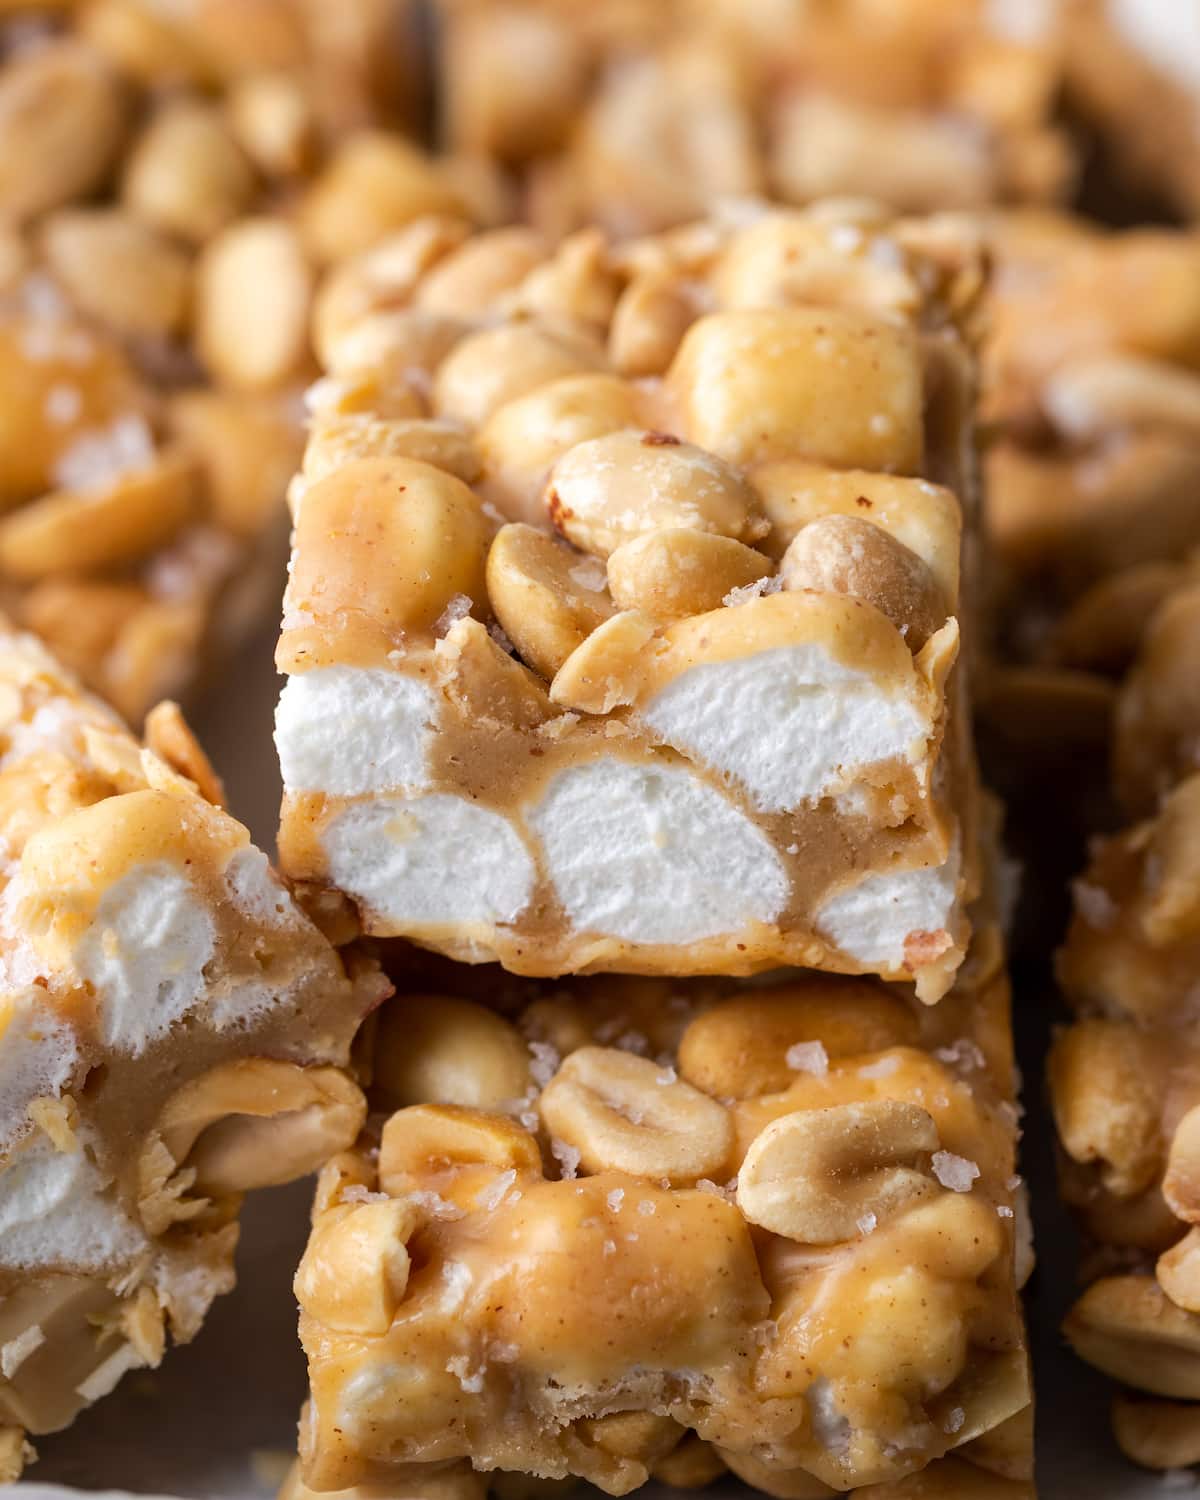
(624,607)
(172,178)
(173,1031)
(650,1229)
(1133,68)
(640,114)
(1125,1076)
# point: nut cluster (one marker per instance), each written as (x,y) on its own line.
(829,1159)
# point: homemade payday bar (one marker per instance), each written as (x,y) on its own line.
(624,607)
(172,178)
(644,1228)
(1125,1077)
(172,1031)
(640,114)
(1133,68)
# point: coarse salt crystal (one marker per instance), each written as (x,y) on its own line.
(544,1064)
(770,584)
(567,1157)
(458,608)
(867,1224)
(955,1420)
(808,1057)
(615,1199)
(491,1196)
(470,1380)
(954,1172)
(646,1208)
(883,1067)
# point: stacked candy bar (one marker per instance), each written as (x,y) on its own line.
(623,633)
(624,611)
(172,178)
(638,114)
(173,1031)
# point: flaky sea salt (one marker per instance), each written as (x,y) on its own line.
(544,1062)
(867,1224)
(101,453)
(808,1057)
(567,1158)
(457,609)
(493,1195)
(771,584)
(470,1380)
(964,1054)
(955,1419)
(646,1207)
(884,1067)
(954,1172)
(615,1199)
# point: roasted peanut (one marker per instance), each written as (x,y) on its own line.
(690,1465)
(187,176)
(521,439)
(1157,1434)
(1106,1092)
(739,1048)
(1178,1272)
(813,1175)
(256,1122)
(431,1137)
(334,442)
(623,1113)
(547,598)
(845,555)
(246,447)
(406,539)
(677,572)
(112,521)
(354,1272)
(383,279)
(375,183)
(833,385)
(606,490)
(119,270)
(487,369)
(62,119)
(605,671)
(649,321)
(1129,1328)
(271,118)
(1181,1184)
(436,1049)
(253,293)
(469,281)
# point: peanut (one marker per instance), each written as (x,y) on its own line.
(431,1137)
(677,572)
(606,490)
(622,1113)
(487,369)
(545,596)
(1127,1327)
(846,555)
(471,280)
(62,120)
(354,1271)
(605,671)
(119,270)
(813,1175)
(436,1049)
(111,522)
(833,385)
(253,293)
(521,439)
(648,323)
(187,176)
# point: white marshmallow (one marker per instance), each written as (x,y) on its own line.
(1165,32)
(791,724)
(144,955)
(353,730)
(430,860)
(54,1211)
(870,921)
(258,891)
(652,854)
(38,1055)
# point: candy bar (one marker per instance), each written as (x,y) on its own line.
(173,1031)
(625,598)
